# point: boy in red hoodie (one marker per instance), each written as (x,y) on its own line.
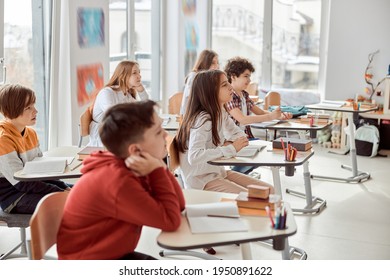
(122,189)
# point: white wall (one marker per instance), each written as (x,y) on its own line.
(357,28)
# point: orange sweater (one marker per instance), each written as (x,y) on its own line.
(106,209)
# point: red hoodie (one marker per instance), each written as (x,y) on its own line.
(107,207)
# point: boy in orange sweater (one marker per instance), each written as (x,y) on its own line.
(122,189)
(18,145)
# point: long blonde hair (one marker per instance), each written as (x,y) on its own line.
(119,80)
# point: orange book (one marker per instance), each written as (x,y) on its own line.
(255,203)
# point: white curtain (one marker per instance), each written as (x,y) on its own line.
(60,116)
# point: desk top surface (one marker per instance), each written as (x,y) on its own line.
(259,227)
(345,108)
(70,151)
(266,157)
(294,124)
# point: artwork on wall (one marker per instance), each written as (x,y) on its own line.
(90,27)
(191,31)
(386,104)
(89,81)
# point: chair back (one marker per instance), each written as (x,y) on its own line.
(85,121)
(45,222)
(252,88)
(174,103)
(272,98)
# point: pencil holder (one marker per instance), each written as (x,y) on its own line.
(289,169)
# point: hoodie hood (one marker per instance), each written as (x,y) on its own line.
(9,128)
(101,159)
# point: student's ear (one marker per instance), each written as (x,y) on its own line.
(134,149)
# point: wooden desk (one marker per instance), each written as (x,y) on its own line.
(275,160)
(357,176)
(56,152)
(259,229)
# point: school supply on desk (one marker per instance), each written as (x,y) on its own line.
(278,220)
(243,200)
(299,144)
(256,191)
(87,151)
(265,124)
(214,217)
(47,165)
(250,151)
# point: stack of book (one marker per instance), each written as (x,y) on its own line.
(257,197)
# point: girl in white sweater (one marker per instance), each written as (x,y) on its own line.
(124,86)
(207,133)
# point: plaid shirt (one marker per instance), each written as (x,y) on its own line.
(236,103)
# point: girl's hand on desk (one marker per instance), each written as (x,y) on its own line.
(240,143)
(276,114)
(143,164)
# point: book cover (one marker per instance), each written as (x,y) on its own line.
(84,153)
(248,202)
(299,144)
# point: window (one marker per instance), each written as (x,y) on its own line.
(24,55)
(237,29)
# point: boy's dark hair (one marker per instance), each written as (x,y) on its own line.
(236,66)
(125,124)
(14,98)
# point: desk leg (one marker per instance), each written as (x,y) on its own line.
(246,251)
(276,179)
(310,200)
(357,176)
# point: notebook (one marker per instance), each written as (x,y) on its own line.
(47,165)
(265,124)
(215,217)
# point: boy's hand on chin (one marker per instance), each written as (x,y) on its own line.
(143,164)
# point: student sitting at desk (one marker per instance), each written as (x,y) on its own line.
(242,109)
(207,133)
(18,145)
(121,190)
(207,60)
(124,86)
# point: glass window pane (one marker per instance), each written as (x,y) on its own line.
(23,59)
(237,30)
(295,44)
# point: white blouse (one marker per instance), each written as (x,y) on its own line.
(105,99)
(195,170)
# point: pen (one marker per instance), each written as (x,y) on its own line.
(223,216)
(75,167)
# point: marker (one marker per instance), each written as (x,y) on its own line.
(270,216)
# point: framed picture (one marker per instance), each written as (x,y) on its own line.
(386,104)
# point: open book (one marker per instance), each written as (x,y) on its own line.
(250,151)
(47,165)
(331,103)
(214,217)
(268,123)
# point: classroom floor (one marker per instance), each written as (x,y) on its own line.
(354,225)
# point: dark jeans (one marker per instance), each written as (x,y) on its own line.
(137,256)
(28,203)
(243,169)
